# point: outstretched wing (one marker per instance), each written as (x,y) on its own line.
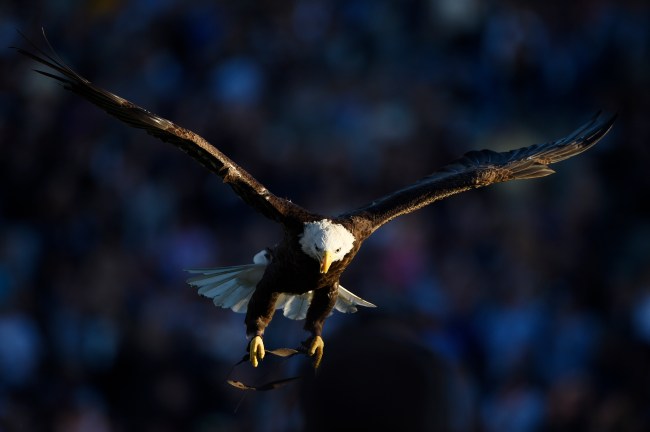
(482,168)
(249,189)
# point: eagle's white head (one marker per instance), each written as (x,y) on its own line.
(326,242)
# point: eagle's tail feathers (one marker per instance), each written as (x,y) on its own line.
(295,307)
(220,291)
(228,287)
(236,297)
(347,301)
(233,287)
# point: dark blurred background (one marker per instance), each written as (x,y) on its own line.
(521,307)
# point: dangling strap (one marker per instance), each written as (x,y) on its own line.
(280,352)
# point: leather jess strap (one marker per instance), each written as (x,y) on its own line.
(272,385)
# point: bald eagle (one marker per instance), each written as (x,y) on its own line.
(301,273)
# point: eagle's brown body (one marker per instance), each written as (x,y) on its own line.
(293,272)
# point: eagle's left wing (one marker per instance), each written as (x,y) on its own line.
(482,168)
(249,189)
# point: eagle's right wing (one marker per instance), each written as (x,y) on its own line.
(482,168)
(249,189)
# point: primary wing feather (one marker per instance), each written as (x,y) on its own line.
(249,189)
(482,168)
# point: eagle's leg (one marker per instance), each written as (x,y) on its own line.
(315,349)
(256,350)
(321,306)
(259,314)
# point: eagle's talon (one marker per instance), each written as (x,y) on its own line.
(256,350)
(316,350)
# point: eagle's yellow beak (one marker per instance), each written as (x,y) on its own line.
(325,262)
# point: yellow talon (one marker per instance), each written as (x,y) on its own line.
(316,350)
(256,350)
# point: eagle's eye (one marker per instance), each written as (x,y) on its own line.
(338,250)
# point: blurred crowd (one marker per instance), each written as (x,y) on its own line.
(532,298)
